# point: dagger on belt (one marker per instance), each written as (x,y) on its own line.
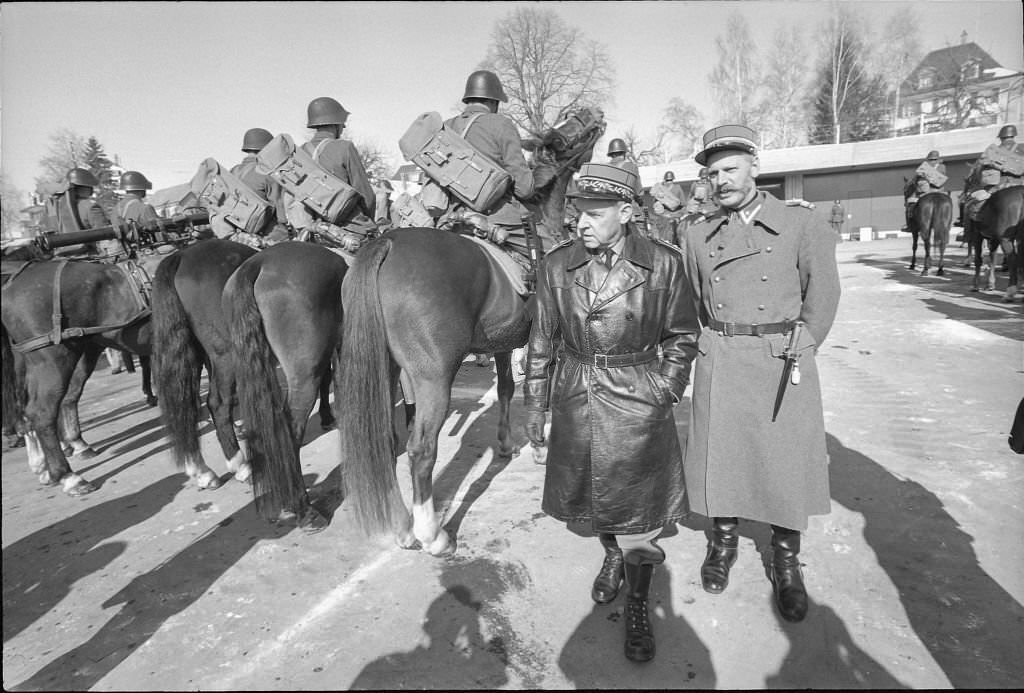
(791,367)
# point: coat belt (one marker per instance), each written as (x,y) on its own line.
(612,360)
(731,329)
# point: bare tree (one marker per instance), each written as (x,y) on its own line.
(375,159)
(850,101)
(898,50)
(783,110)
(681,126)
(67,150)
(735,79)
(547,68)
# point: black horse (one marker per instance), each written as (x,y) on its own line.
(931,219)
(419,300)
(999,224)
(58,316)
(283,309)
(190,332)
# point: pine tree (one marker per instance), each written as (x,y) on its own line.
(95,158)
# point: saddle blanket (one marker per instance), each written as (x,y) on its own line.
(504,262)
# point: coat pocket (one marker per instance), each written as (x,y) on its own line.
(661,392)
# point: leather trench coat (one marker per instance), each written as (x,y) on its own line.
(738,461)
(614,458)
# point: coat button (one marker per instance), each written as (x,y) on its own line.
(719,306)
(718,279)
(764,277)
(629,316)
(711,254)
(760,307)
(768,249)
(632,389)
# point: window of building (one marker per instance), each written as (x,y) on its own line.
(970,70)
(926,79)
(927,106)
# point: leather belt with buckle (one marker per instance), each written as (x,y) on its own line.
(732,329)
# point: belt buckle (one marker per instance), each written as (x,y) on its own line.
(729,329)
(597,361)
(755,330)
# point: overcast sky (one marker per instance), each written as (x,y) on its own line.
(165,85)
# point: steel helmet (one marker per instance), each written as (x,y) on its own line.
(325,111)
(1007,131)
(133,180)
(703,173)
(255,139)
(484,84)
(932,155)
(669,175)
(617,146)
(83,177)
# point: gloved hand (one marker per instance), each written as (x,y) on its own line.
(535,422)
(351,242)
(543,175)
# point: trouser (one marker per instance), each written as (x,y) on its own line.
(636,548)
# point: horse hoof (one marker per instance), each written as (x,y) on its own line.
(46,480)
(151,401)
(974,288)
(312,521)
(208,482)
(540,454)
(442,546)
(408,542)
(85,454)
(244,472)
(940,273)
(328,424)
(75,485)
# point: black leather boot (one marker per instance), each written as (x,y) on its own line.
(608,580)
(639,636)
(714,573)
(787,579)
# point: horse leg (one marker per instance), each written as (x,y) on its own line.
(218,403)
(940,243)
(432,401)
(71,430)
(327,419)
(47,379)
(147,381)
(913,249)
(927,261)
(974,248)
(1012,264)
(993,244)
(506,389)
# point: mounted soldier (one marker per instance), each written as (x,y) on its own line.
(669,206)
(1000,166)
(263,185)
(618,156)
(74,209)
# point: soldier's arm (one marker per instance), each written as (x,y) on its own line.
(514,162)
(97,217)
(681,330)
(358,179)
(540,356)
(819,278)
(148,218)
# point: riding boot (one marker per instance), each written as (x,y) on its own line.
(639,636)
(787,579)
(609,578)
(722,547)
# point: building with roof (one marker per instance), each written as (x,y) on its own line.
(955,87)
(866,177)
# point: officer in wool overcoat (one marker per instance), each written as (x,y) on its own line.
(757,267)
(609,355)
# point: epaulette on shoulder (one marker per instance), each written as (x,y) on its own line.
(797,202)
(671,246)
(564,244)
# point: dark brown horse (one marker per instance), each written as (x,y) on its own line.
(283,309)
(190,333)
(419,300)
(931,219)
(59,316)
(999,224)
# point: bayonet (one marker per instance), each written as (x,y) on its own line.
(790,367)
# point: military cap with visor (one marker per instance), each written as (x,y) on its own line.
(727,137)
(605,182)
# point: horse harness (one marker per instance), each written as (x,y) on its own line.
(138,279)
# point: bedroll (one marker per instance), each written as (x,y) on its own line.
(223,193)
(311,193)
(451,162)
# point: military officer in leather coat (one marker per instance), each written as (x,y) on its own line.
(757,267)
(609,355)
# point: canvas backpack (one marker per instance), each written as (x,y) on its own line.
(452,162)
(310,193)
(224,194)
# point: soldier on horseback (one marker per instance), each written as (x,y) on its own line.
(76,210)
(340,158)
(1000,166)
(263,185)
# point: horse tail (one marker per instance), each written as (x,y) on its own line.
(177,363)
(362,388)
(13,386)
(274,455)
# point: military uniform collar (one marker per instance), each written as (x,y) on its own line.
(633,250)
(476,108)
(772,214)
